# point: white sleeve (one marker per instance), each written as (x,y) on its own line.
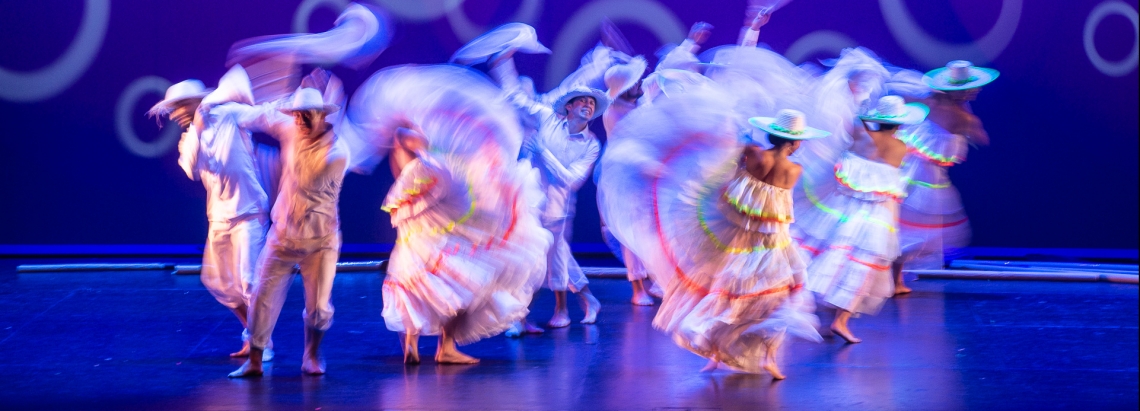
(188,153)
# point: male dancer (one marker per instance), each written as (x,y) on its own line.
(217,149)
(564,150)
(306,228)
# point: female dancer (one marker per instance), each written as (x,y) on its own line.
(853,229)
(709,217)
(932,219)
(470,252)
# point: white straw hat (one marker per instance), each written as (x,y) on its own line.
(789,124)
(623,77)
(309,99)
(601,100)
(895,110)
(181,90)
(959,75)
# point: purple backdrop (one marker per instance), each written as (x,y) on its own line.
(82,165)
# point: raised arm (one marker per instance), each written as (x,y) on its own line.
(504,72)
(263,118)
(751,34)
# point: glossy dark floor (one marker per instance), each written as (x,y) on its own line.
(149,340)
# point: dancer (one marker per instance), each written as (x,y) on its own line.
(218,150)
(709,217)
(470,248)
(853,230)
(623,83)
(932,219)
(564,150)
(306,227)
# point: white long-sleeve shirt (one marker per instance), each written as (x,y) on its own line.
(312,175)
(221,156)
(564,159)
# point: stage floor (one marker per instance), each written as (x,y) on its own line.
(150,340)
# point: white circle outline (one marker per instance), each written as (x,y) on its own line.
(648,13)
(49,81)
(306,8)
(124,113)
(427,10)
(933,52)
(1098,14)
(466,29)
(816,41)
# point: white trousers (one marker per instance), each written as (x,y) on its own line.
(275,274)
(562,271)
(229,261)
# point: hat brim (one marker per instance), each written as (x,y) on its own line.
(327,108)
(601,101)
(766,124)
(638,66)
(166,106)
(914,113)
(939,79)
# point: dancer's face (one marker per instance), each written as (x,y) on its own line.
(581,107)
(309,120)
(183,112)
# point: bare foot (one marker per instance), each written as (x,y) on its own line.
(515,330)
(411,349)
(243,353)
(656,291)
(312,365)
(711,366)
(771,368)
(642,298)
(530,328)
(560,319)
(843,332)
(247,370)
(901,288)
(591,307)
(453,356)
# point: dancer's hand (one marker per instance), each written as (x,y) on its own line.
(700,32)
(760,20)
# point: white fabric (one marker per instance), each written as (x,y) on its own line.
(275,270)
(306,226)
(220,154)
(230,258)
(470,247)
(852,229)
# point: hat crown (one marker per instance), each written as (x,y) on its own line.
(793,121)
(184,89)
(959,70)
(890,106)
(308,99)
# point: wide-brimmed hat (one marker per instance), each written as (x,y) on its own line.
(309,99)
(518,36)
(895,110)
(181,90)
(601,100)
(789,124)
(623,77)
(959,75)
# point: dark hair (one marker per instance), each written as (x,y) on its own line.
(778,141)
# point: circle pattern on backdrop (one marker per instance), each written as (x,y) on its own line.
(583,26)
(47,82)
(125,114)
(933,52)
(1098,14)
